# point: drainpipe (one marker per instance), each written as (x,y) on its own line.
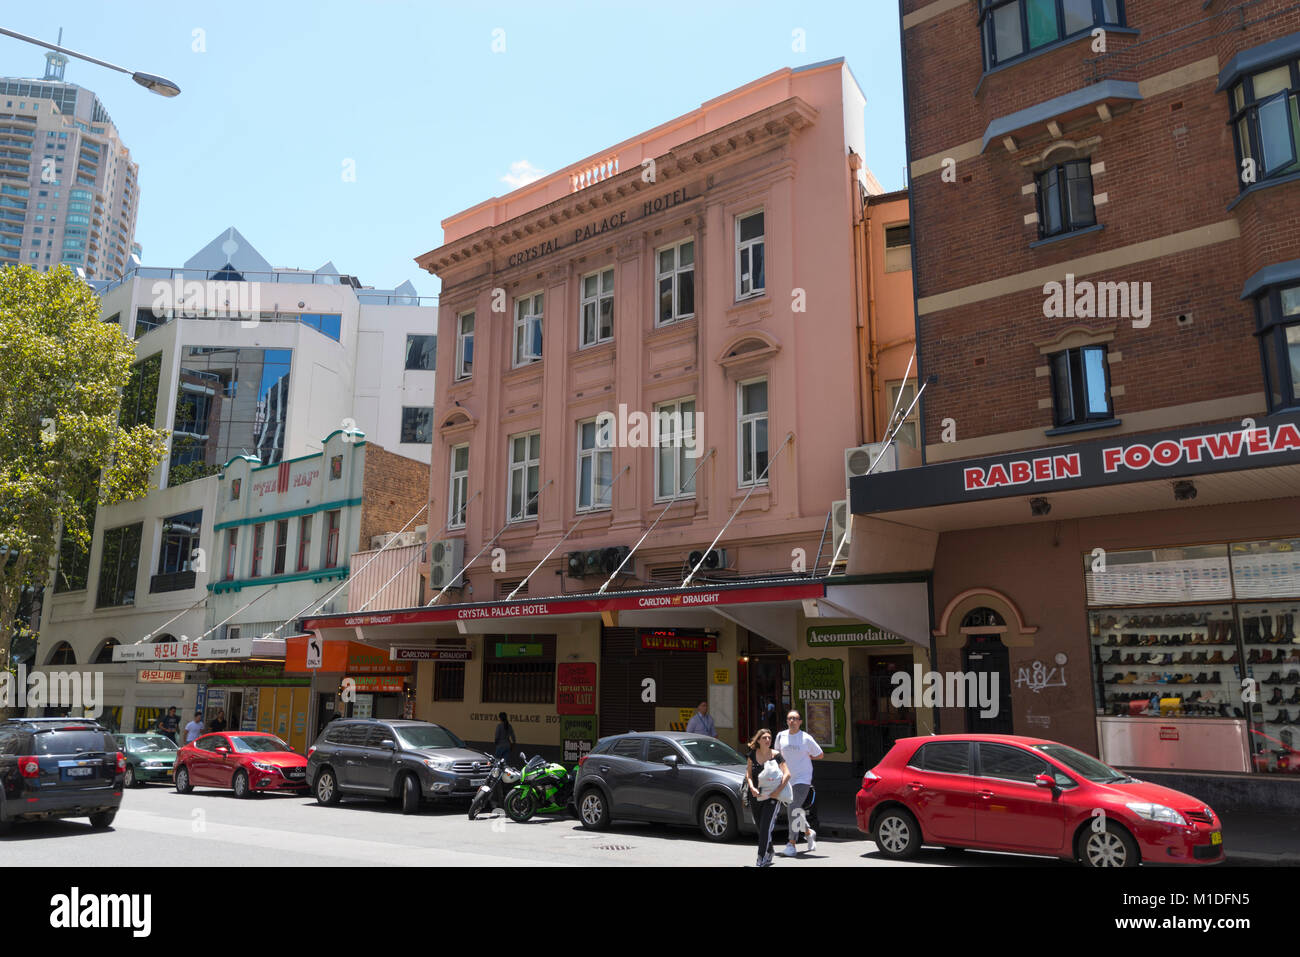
(861,294)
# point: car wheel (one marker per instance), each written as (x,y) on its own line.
(410,794)
(896,833)
(103,819)
(1113,847)
(520,805)
(593,810)
(128,779)
(240,784)
(183,785)
(327,787)
(718,818)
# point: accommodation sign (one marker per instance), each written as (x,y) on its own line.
(853,635)
(606,224)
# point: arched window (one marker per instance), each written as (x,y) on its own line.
(62,655)
(104,656)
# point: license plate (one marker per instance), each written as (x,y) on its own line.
(1216,837)
(78,772)
(475,782)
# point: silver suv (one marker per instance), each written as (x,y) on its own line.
(414,761)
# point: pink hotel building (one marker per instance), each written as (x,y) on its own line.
(739,269)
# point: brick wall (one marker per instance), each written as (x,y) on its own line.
(395,488)
(1169,167)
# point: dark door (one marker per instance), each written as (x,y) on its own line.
(769,691)
(1013,810)
(988,660)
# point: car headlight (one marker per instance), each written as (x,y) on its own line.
(265,767)
(1156,812)
(438,764)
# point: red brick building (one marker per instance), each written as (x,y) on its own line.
(1105,201)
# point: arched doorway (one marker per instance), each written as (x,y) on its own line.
(986,658)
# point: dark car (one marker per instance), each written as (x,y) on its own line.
(149,757)
(247,762)
(411,760)
(59,767)
(666,776)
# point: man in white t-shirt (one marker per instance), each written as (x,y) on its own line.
(800,751)
(194,728)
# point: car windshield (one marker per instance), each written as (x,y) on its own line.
(710,751)
(151,743)
(426,736)
(1082,764)
(248,744)
(69,742)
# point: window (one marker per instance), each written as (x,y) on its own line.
(304,543)
(449,676)
(951,757)
(752,406)
(657,749)
(458,493)
(1080,386)
(675,449)
(332,538)
(1266,122)
(528,329)
(234,489)
(421,352)
(898,236)
(518,669)
(750,279)
(180,536)
(1010,764)
(595,464)
(525,468)
(336,467)
(1013,28)
(676,276)
(232,540)
(1065,198)
(596,308)
(898,247)
(119,562)
(908,431)
(281,546)
(326,324)
(140,396)
(259,541)
(465,346)
(417,425)
(1278,316)
(629,748)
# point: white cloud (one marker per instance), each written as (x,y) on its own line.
(522,173)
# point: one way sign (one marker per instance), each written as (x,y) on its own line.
(314,652)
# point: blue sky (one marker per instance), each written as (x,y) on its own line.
(283,93)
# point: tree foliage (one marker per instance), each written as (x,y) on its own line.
(63,443)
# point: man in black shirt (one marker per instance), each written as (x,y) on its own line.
(169,724)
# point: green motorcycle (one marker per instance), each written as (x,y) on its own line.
(543,788)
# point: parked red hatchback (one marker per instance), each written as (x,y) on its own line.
(1003,792)
(244,761)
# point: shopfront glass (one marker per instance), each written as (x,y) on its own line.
(1200,633)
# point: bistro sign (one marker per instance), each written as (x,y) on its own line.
(1179,453)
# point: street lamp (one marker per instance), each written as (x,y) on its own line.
(156,84)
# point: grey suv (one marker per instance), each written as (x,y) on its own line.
(410,760)
(59,767)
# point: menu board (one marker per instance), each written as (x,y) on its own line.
(1169,582)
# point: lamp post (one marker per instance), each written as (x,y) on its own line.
(155,84)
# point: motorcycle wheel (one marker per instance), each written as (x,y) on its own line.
(477,804)
(520,805)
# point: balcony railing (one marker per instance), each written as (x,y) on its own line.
(595,173)
(172,581)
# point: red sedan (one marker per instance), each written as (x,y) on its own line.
(245,761)
(1005,792)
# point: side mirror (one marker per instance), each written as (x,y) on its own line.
(670,760)
(388,743)
(1045,781)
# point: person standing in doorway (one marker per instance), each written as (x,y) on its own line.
(700,722)
(800,750)
(505,737)
(219,722)
(764,764)
(194,728)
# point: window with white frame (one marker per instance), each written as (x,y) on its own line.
(465,346)
(597,308)
(675,272)
(525,469)
(459,489)
(528,329)
(750,279)
(751,404)
(675,450)
(907,431)
(595,464)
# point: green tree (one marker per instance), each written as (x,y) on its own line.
(64,441)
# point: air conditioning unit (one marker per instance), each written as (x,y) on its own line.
(858,460)
(379,541)
(232,632)
(410,538)
(715,559)
(841,527)
(595,562)
(446,559)
(576,564)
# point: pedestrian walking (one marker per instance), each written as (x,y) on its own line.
(800,751)
(505,737)
(170,723)
(700,722)
(767,777)
(194,728)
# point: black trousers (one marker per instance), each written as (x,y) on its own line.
(764,820)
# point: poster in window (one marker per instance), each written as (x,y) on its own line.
(575,687)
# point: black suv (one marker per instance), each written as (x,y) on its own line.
(59,767)
(410,760)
